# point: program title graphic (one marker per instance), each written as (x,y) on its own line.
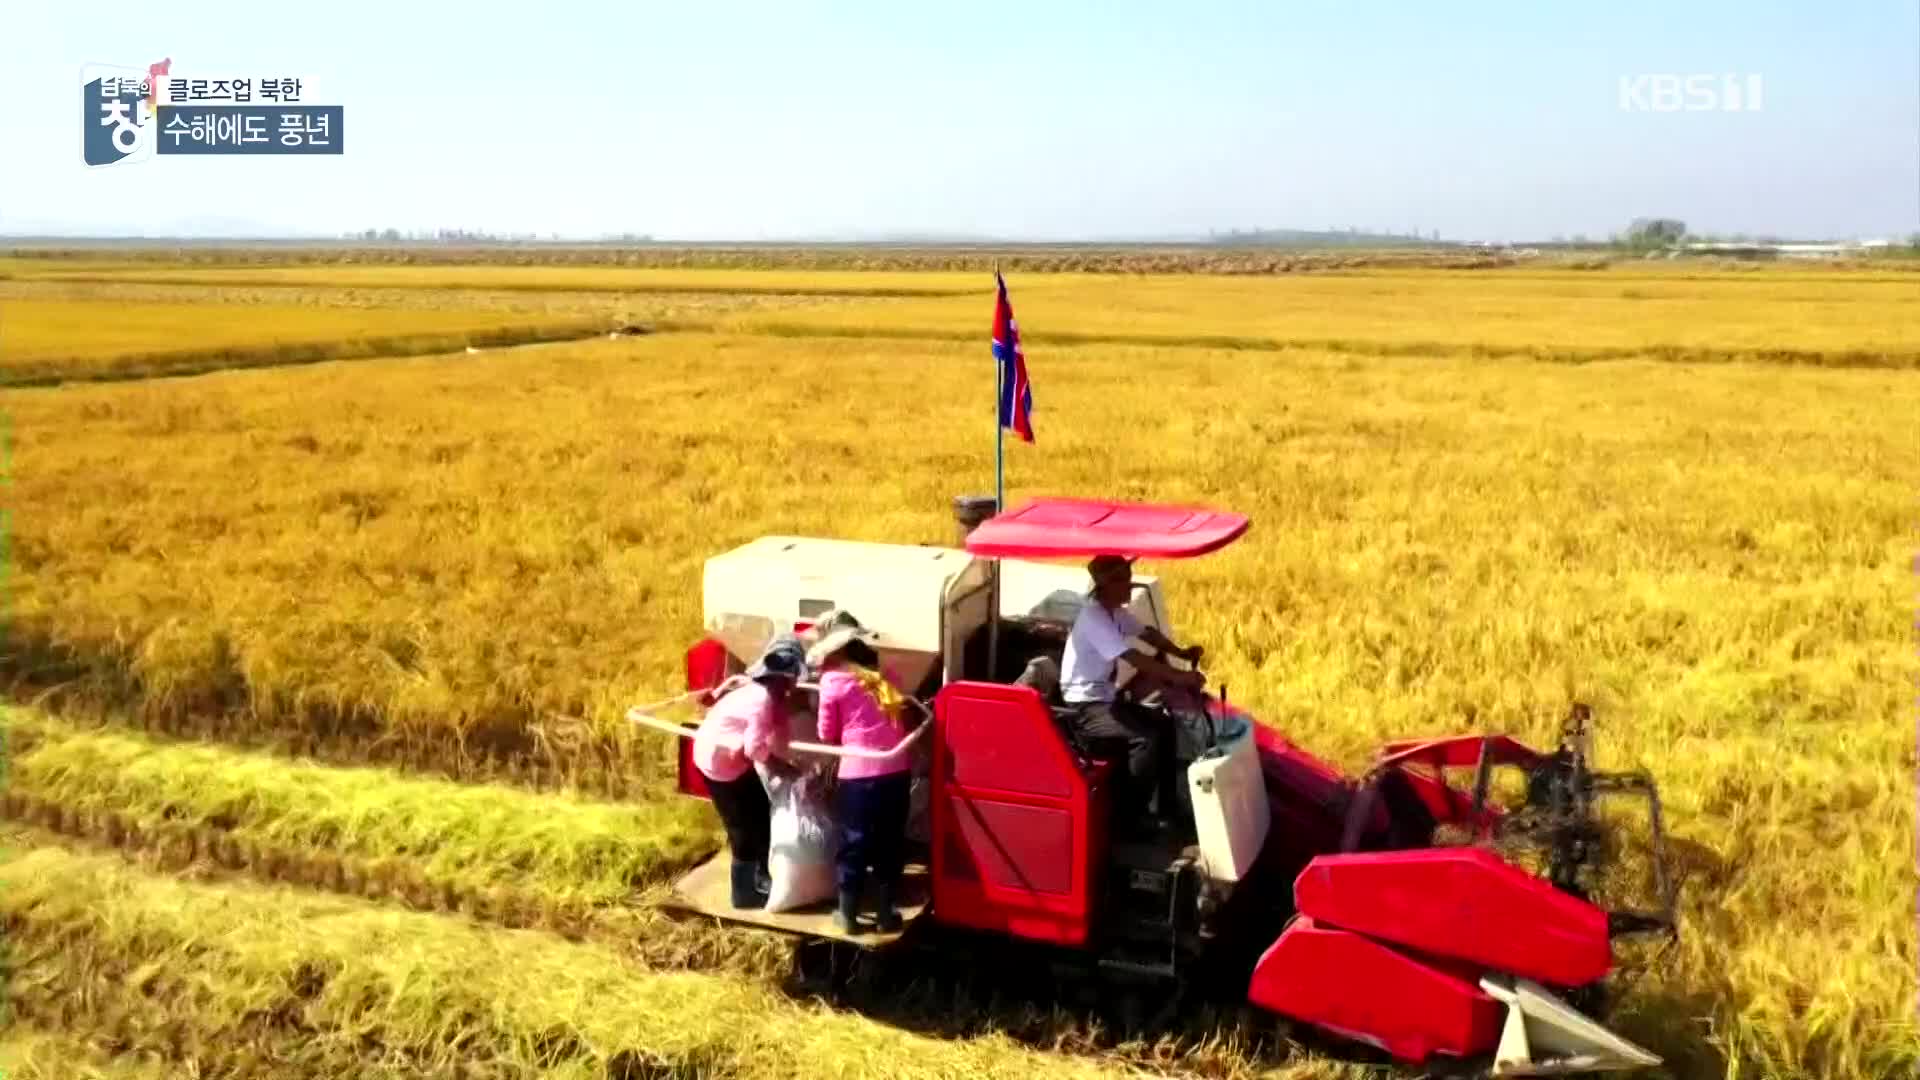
(130,115)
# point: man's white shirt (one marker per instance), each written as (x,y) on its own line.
(1099,637)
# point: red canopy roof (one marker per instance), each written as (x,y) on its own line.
(1061,528)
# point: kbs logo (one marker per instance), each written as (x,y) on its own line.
(1690,93)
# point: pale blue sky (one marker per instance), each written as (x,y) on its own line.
(721,120)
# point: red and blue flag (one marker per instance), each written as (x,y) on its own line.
(1016,393)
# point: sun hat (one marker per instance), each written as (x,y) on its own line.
(833,619)
(783,658)
(843,631)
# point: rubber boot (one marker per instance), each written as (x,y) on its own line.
(747,893)
(846,916)
(886,916)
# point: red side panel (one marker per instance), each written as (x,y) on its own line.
(1078,528)
(690,782)
(983,756)
(1366,991)
(1306,777)
(706,666)
(1463,903)
(706,669)
(1306,796)
(1460,751)
(1018,829)
(1447,804)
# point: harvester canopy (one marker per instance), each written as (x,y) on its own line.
(1071,528)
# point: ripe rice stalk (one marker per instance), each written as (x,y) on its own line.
(398,977)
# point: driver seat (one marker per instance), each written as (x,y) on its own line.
(1042,676)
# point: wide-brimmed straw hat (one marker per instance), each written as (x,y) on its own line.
(835,633)
(829,621)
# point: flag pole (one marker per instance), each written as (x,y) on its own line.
(999,492)
(999,429)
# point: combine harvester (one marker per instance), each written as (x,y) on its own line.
(1374,907)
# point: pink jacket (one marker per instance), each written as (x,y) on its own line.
(743,727)
(851,717)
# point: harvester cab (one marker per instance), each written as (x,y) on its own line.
(1386,908)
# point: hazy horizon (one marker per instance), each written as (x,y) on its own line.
(1068,123)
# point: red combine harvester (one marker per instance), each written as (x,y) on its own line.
(1381,908)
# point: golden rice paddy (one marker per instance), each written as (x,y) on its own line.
(437,581)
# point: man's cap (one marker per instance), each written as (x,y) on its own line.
(1105,568)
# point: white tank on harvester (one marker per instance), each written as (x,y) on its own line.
(927,605)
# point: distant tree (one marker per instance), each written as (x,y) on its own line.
(1645,234)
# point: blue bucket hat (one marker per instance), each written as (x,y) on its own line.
(783,658)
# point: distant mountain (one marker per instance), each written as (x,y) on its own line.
(213,228)
(1320,238)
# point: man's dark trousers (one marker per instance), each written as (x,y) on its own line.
(1143,737)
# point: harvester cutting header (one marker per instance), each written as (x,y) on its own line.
(1391,908)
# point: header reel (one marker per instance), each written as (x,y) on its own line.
(1555,825)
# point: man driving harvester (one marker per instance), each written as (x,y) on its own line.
(1102,717)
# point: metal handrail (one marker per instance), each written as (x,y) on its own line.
(642,715)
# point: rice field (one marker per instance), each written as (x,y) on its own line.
(313,661)
(1562,315)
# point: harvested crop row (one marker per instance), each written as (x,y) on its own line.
(218,302)
(1833,321)
(200,360)
(118,791)
(636,931)
(1898,358)
(573,849)
(110,337)
(92,690)
(232,978)
(956,1000)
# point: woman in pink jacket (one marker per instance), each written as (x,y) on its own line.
(872,797)
(748,725)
